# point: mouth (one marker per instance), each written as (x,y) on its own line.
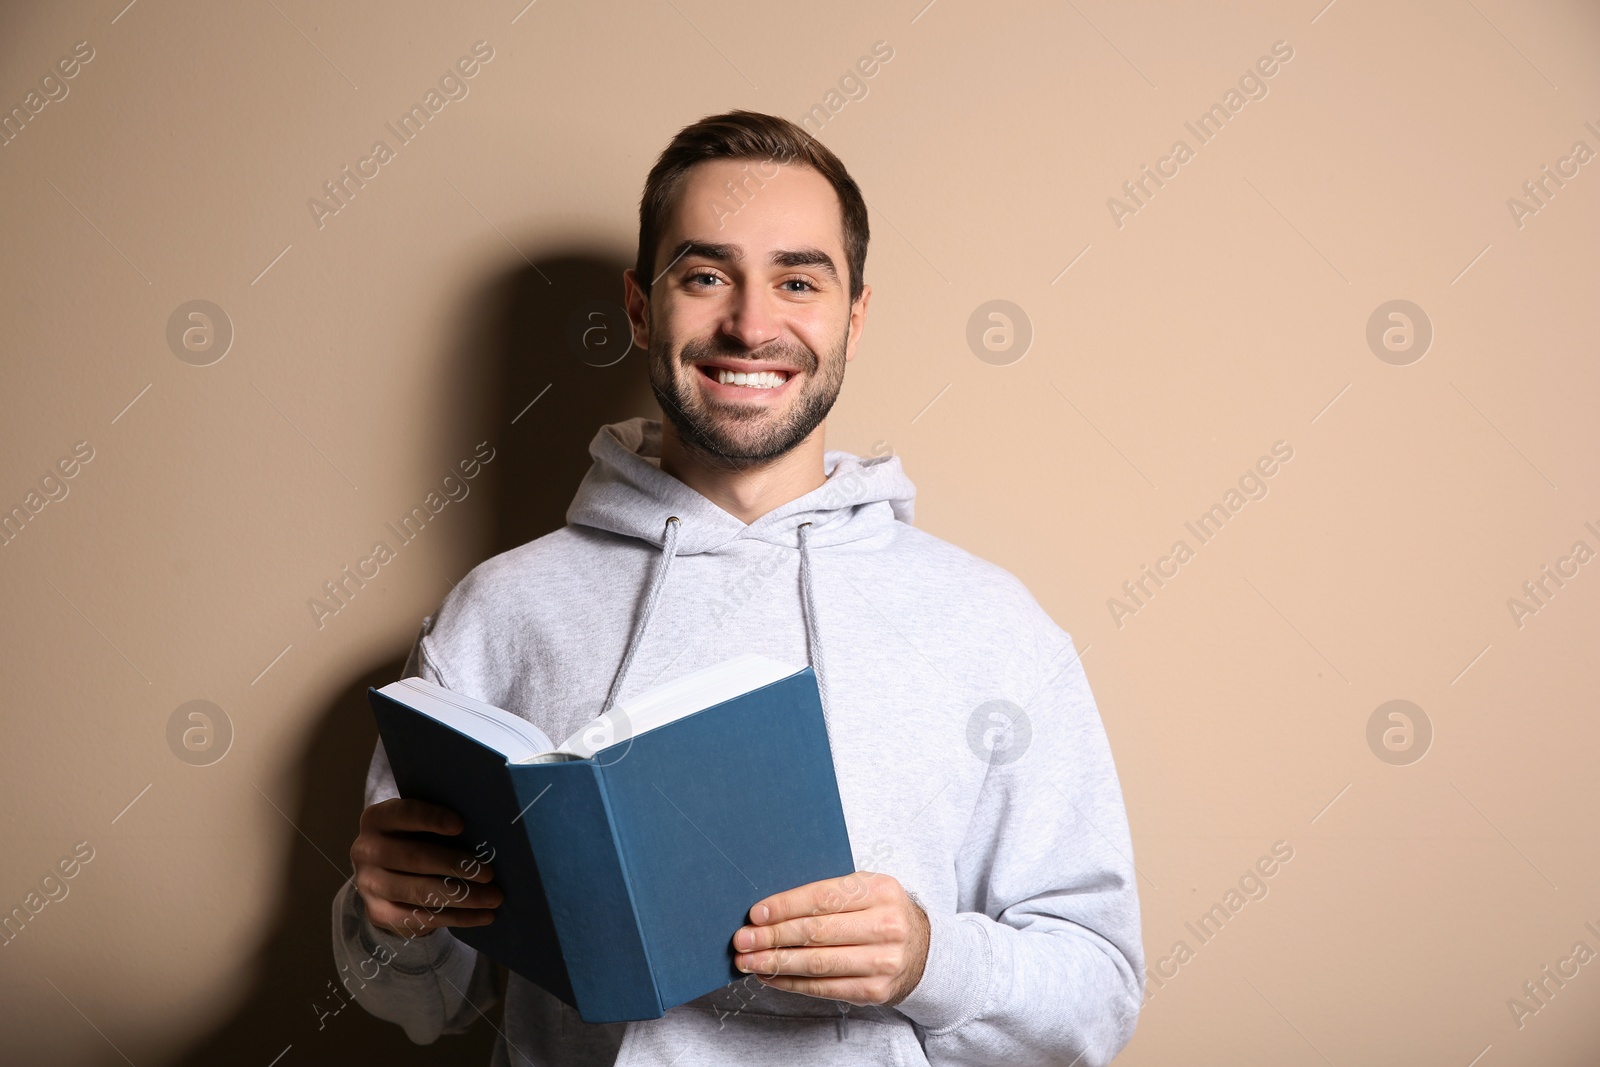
(745,378)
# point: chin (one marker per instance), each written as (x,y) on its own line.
(739,433)
(740,440)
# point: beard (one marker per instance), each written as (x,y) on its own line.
(740,436)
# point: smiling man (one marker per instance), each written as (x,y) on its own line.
(993,918)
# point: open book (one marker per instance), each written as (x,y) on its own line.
(520,741)
(630,853)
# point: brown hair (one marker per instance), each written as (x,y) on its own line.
(747,135)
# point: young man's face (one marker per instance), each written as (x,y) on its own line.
(758,290)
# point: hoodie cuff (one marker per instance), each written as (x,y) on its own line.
(955,980)
(405,954)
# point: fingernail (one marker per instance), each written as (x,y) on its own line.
(763,913)
(745,938)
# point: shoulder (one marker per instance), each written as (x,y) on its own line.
(488,613)
(533,564)
(982,602)
(501,581)
(954,568)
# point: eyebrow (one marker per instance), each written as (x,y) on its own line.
(728,253)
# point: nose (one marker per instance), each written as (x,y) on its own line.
(750,320)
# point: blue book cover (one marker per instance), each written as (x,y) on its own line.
(627,873)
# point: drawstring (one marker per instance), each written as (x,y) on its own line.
(669,551)
(808,602)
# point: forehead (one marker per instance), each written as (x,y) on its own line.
(766,206)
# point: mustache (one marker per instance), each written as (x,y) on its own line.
(789,354)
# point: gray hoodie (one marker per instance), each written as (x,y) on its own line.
(972,766)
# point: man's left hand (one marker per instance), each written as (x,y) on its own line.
(859,939)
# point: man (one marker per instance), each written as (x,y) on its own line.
(994,917)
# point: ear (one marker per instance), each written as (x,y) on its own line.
(637,303)
(858,322)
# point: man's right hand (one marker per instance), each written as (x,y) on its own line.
(411,882)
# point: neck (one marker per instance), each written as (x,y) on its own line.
(746,493)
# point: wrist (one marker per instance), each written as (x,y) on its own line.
(921,933)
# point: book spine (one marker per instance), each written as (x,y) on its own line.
(571,828)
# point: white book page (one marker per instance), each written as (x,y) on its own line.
(520,741)
(515,738)
(675,700)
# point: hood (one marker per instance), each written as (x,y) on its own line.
(626,492)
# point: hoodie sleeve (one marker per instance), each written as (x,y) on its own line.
(1043,961)
(432,984)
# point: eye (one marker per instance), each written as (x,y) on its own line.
(691,278)
(799,281)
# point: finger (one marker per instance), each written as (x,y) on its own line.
(816,898)
(852,961)
(430,893)
(416,856)
(407,921)
(401,815)
(868,926)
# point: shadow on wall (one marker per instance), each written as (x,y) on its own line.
(558,339)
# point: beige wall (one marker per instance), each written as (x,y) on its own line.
(373,352)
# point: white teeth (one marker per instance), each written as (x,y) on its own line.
(766,379)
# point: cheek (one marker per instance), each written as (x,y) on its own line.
(676,323)
(822,329)
(831,348)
